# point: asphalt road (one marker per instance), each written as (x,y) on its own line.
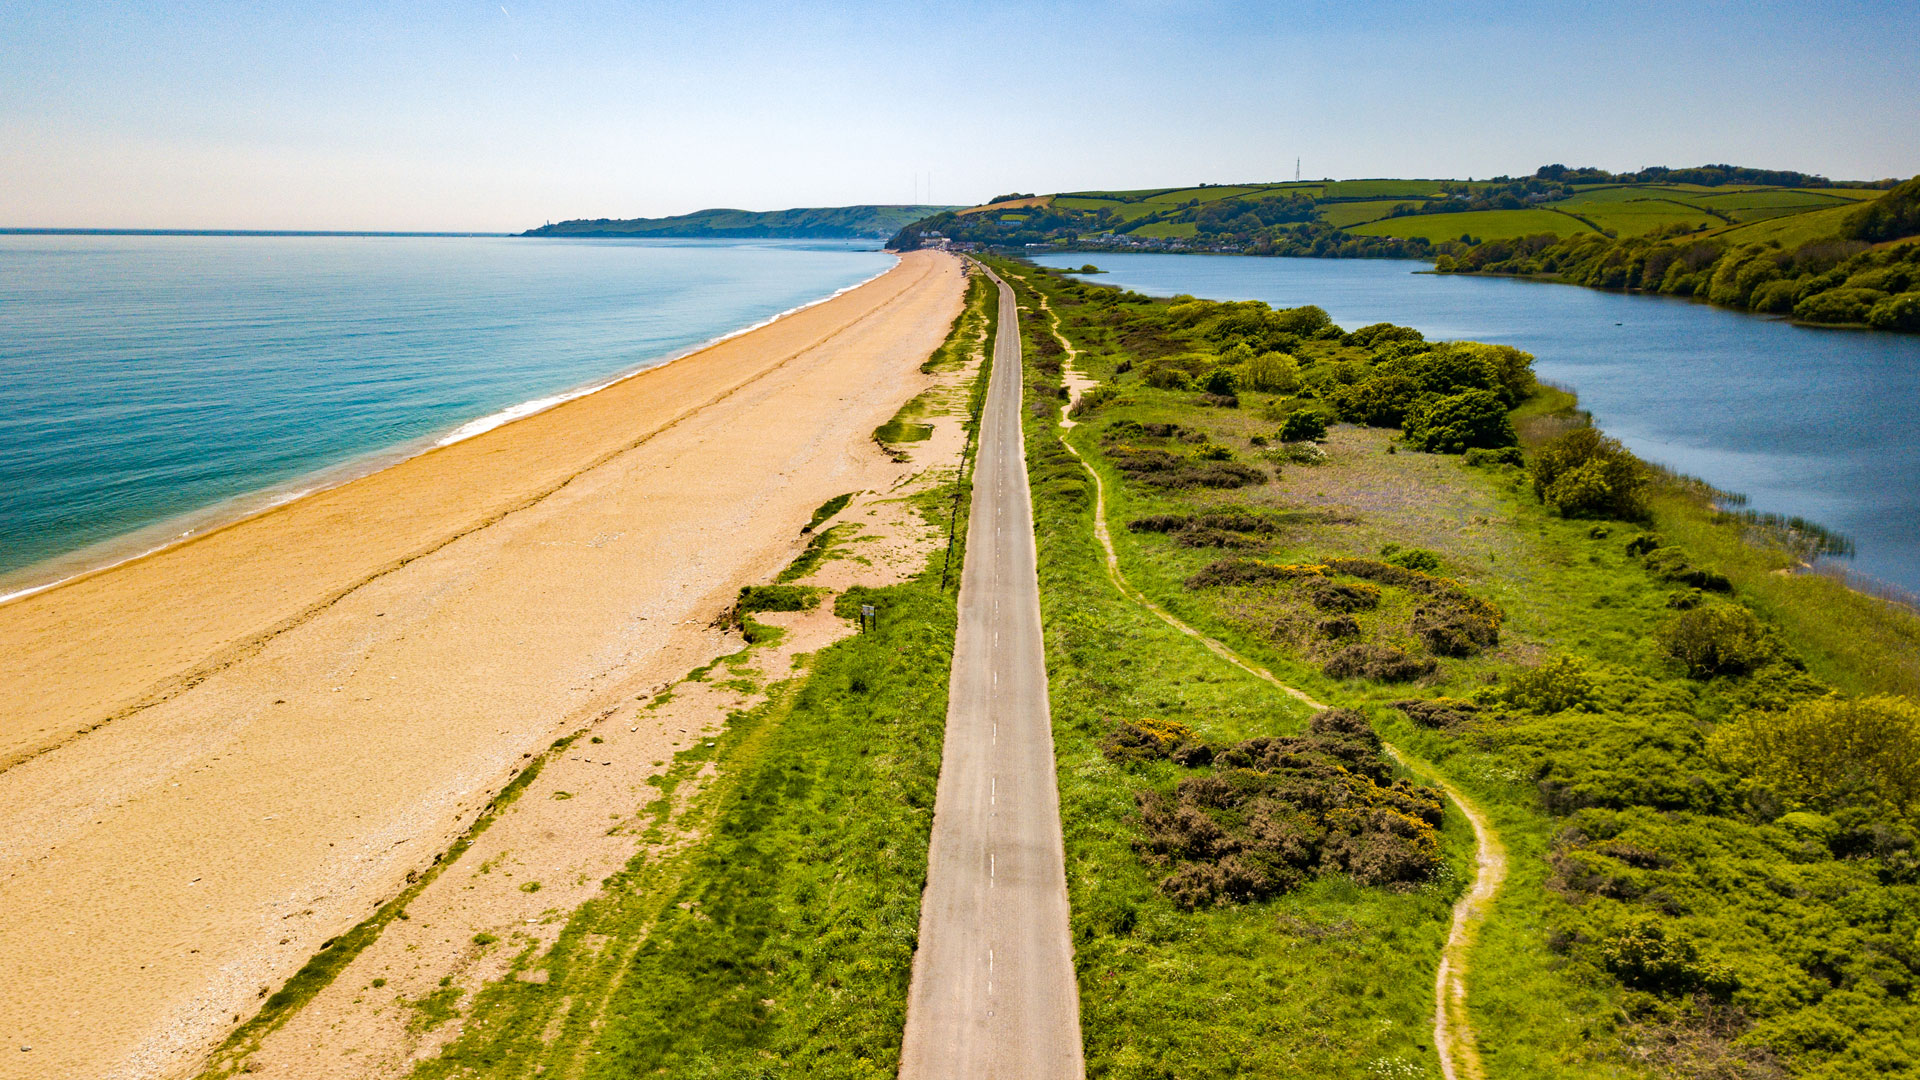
(993,992)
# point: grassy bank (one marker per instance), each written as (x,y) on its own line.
(1668,911)
(1331,979)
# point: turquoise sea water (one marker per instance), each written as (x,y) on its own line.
(149,384)
(1823,424)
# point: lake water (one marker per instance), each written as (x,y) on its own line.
(151,384)
(1823,424)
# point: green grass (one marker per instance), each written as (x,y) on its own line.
(828,509)
(1760,904)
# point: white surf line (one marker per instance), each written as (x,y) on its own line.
(1453,1035)
(379,462)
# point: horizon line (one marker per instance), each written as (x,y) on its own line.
(7,230)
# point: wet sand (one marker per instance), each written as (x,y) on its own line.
(217,757)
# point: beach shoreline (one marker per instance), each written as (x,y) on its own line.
(219,756)
(160,536)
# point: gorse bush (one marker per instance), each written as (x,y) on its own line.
(1381,663)
(1718,639)
(1586,474)
(1276,811)
(1832,751)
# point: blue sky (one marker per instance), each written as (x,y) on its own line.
(483,115)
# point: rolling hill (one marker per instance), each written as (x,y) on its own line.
(1398,218)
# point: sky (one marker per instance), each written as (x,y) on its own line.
(456,115)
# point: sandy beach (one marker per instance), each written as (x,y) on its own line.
(216,758)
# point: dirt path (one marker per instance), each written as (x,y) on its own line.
(1453,1037)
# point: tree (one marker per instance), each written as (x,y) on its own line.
(1458,422)
(1381,401)
(1272,372)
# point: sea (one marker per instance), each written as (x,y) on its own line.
(1821,424)
(153,386)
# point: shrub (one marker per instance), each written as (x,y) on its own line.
(1775,297)
(1382,663)
(757,598)
(1555,686)
(1450,631)
(1453,424)
(1832,751)
(1720,639)
(1670,564)
(1412,558)
(1438,712)
(1586,474)
(1226,572)
(1304,426)
(1220,382)
(1338,597)
(1646,957)
(1505,455)
(1340,626)
(1509,369)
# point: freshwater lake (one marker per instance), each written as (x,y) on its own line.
(152,384)
(1823,424)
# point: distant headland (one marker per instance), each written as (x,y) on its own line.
(802,223)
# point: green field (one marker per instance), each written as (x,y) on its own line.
(1479,224)
(1790,231)
(1348,214)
